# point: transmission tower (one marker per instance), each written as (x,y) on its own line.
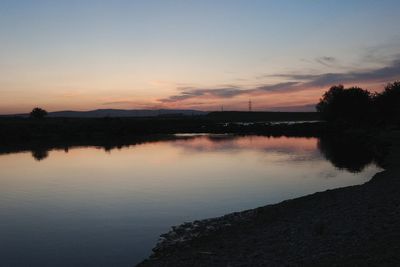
(250,106)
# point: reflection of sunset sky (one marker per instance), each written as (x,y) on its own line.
(201,143)
(220,143)
(130,195)
(191,54)
(192,161)
(350,155)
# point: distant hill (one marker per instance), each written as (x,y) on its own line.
(217,116)
(101,113)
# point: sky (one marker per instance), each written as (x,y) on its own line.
(203,54)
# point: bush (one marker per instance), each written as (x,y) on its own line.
(38,113)
(387,103)
(349,105)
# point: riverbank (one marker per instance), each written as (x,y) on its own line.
(84,130)
(351,226)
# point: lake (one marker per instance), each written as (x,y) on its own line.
(95,206)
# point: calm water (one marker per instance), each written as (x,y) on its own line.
(91,207)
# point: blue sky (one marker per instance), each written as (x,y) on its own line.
(197,54)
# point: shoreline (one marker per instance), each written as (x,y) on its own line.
(25,132)
(355,225)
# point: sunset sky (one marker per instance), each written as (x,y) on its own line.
(95,54)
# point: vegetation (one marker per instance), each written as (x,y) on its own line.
(358,106)
(387,103)
(38,113)
(343,108)
(257,116)
(352,104)
(22,130)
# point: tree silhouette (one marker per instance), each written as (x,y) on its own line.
(347,105)
(387,103)
(38,113)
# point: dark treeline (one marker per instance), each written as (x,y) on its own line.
(358,107)
(343,109)
(28,130)
(357,122)
(254,116)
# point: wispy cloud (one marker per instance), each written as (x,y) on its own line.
(118,103)
(293,82)
(279,87)
(326,61)
(191,92)
(383,74)
(228,92)
(131,104)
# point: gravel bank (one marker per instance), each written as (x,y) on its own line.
(351,226)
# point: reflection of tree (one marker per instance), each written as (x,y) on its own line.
(222,138)
(345,152)
(40,154)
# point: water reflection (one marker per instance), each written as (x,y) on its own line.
(72,204)
(350,153)
(40,154)
(344,152)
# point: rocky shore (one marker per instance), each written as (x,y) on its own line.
(351,226)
